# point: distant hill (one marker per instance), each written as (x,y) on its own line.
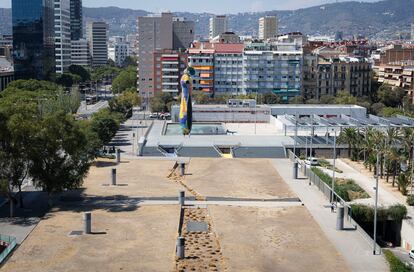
(387,18)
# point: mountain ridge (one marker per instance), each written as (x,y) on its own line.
(388,18)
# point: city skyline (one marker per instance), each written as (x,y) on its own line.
(213,6)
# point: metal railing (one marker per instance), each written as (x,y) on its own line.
(327,192)
(10,243)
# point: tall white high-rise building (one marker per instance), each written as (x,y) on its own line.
(62,35)
(97,35)
(218,25)
(268,27)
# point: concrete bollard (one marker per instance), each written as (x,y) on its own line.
(113,177)
(340,217)
(182,169)
(181,198)
(295,170)
(87,223)
(180,248)
(118,155)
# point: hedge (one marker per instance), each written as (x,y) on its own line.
(347,189)
(365,213)
(396,265)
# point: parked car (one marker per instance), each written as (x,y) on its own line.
(312,161)
(411,253)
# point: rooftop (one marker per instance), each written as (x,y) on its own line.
(139,220)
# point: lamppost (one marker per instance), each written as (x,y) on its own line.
(334,167)
(296,135)
(412,171)
(376,204)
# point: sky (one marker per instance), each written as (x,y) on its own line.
(211,6)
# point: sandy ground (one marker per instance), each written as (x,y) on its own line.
(273,239)
(141,240)
(242,178)
(138,178)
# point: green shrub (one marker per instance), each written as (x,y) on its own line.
(410,200)
(347,189)
(396,265)
(365,213)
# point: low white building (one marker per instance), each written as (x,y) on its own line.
(118,52)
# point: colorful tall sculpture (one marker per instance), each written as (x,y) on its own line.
(186,110)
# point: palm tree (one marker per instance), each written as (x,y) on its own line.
(403,182)
(407,140)
(348,136)
(391,152)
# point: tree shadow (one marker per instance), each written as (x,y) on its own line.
(101,164)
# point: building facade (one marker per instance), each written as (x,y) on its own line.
(33,38)
(97,33)
(268,27)
(183,33)
(201,58)
(228,69)
(62,35)
(161,39)
(76,22)
(155,32)
(268,69)
(80,53)
(168,68)
(6,73)
(118,52)
(218,25)
(330,75)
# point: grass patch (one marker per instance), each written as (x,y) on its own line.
(396,265)
(327,165)
(347,189)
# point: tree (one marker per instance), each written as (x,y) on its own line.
(297,100)
(391,97)
(124,103)
(403,181)
(345,98)
(162,102)
(349,136)
(271,98)
(327,99)
(60,158)
(105,124)
(68,79)
(104,73)
(377,108)
(127,79)
(84,74)
(130,61)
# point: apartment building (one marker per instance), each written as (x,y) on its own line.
(168,68)
(156,33)
(228,68)
(268,27)
(398,74)
(62,35)
(267,68)
(329,75)
(218,25)
(396,53)
(118,52)
(201,58)
(97,36)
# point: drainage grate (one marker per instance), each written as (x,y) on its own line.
(196,226)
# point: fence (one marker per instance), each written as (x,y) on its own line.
(11,244)
(327,192)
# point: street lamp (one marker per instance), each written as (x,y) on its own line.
(376,204)
(334,167)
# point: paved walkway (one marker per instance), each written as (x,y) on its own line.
(351,244)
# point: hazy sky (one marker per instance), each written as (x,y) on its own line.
(214,6)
